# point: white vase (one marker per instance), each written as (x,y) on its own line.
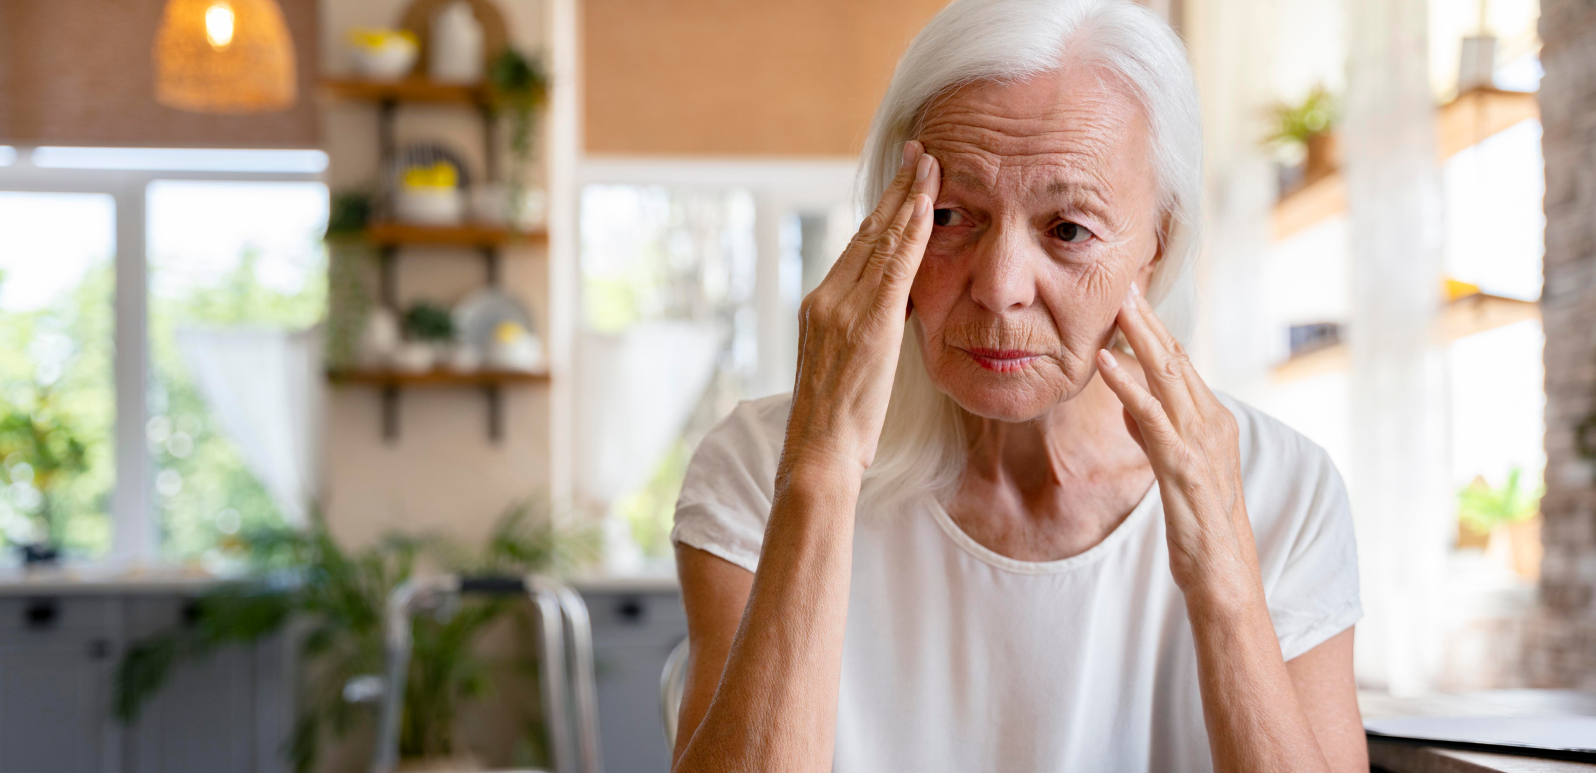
(455,48)
(415,357)
(379,338)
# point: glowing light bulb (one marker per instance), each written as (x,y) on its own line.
(219,25)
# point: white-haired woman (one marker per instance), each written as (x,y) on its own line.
(979,535)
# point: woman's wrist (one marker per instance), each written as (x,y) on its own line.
(1226,597)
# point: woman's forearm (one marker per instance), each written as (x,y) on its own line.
(776,705)
(1250,707)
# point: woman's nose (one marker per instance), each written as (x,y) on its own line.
(1002,275)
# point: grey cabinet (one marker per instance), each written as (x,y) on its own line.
(58,655)
(634,630)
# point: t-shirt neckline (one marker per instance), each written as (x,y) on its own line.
(1132,523)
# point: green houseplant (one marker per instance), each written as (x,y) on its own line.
(340,595)
(39,450)
(1306,127)
(518,86)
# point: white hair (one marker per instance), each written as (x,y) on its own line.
(922,449)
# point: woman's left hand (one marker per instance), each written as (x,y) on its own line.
(1191,440)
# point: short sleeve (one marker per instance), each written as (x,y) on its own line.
(1316,594)
(1302,525)
(730,482)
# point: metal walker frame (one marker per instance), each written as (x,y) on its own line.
(569,695)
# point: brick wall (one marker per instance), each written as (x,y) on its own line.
(1561,648)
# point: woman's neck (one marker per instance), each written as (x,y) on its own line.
(1054,486)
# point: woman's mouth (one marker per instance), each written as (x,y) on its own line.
(1001,360)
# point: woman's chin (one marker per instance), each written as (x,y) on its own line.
(1000,402)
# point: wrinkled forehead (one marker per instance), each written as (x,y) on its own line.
(1075,128)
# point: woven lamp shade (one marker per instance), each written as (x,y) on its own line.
(245,66)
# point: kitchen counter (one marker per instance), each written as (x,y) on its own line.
(1395,757)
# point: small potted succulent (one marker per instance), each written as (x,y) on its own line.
(429,330)
(1306,130)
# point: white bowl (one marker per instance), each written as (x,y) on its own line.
(429,206)
(390,61)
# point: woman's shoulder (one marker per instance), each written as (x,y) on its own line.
(752,430)
(1269,446)
(731,481)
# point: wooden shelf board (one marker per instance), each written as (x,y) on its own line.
(398,234)
(406,90)
(1456,319)
(438,377)
(1472,118)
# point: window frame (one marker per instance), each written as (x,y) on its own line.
(135,527)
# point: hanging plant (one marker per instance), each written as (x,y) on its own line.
(517,86)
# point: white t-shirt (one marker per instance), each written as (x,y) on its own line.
(959,659)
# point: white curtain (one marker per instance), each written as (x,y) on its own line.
(636,392)
(265,389)
(1399,435)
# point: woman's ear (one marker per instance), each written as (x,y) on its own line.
(1144,276)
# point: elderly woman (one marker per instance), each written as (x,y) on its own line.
(1001,524)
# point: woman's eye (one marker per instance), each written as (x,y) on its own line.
(946,217)
(1071,232)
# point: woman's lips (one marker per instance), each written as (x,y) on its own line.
(1001,360)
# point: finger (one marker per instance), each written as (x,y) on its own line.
(889,247)
(878,221)
(1165,377)
(1194,383)
(901,266)
(1155,432)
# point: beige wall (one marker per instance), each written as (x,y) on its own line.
(739,77)
(443,473)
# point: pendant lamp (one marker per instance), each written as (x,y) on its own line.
(224,56)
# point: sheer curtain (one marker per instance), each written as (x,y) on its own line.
(265,388)
(1398,477)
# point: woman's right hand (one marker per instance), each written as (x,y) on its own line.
(851,327)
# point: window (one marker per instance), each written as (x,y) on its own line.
(120,271)
(222,255)
(691,275)
(57,408)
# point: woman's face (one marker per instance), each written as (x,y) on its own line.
(1047,213)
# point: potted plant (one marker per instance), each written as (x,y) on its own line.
(1305,129)
(39,452)
(429,329)
(517,86)
(1507,516)
(341,595)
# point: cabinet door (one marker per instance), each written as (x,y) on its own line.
(55,668)
(205,718)
(633,634)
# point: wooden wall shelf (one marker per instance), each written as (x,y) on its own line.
(400,234)
(407,90)
(491,382)
(437,377)
(1455,319)
(1473,117)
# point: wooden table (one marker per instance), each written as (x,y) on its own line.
(1403,758)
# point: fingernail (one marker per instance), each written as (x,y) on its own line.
(924,169)
(921,202)
(1107,360)
(908,152)
(1134,289)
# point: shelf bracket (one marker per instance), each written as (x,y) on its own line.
(390,413)
(495,399)
(491,265)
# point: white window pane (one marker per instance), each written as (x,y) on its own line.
(57,405)
(228,255)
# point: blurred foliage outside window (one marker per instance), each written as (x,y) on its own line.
(651,253)
(220,255)
(57,406)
